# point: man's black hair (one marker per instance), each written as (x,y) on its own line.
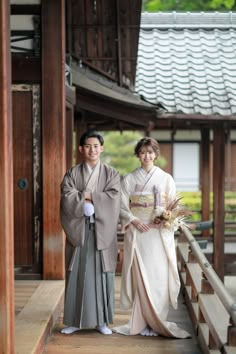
(91,133)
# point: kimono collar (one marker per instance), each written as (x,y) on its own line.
(148,174)
(91,176)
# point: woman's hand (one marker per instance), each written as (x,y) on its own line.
(140,225)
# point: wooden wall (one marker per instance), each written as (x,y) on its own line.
(104,34)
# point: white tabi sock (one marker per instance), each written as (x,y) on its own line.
(145,332)
(152,333)
(69,330)
(104,329)
(148,332)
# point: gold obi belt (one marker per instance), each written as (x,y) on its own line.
(142,206)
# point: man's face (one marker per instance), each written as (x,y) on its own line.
(91,150)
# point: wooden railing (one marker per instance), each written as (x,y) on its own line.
(208,239)
(211,307)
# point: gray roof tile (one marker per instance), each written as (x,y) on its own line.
(189,69)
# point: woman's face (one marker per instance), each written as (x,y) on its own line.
(147,157)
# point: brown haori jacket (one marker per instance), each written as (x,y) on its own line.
(106,201)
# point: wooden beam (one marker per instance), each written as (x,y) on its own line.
(218,201)
(25,9)
(53,134)
(200,118)
(70,96)
(26,69)
(106,106)
(6,187)
(205,175)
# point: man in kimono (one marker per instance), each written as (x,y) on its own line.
(89,210)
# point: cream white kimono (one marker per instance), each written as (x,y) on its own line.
(150,280)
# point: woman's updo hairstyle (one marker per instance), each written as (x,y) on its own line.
(147,142)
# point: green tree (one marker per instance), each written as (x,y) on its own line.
(187,5)
(119,151)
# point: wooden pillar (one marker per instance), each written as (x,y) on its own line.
(205,176)
(80,127)
(69,136)
(6,187)
(53,133)
(218,201)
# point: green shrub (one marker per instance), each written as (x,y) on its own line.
(192,200)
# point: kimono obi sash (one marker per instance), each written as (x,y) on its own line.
(142,206)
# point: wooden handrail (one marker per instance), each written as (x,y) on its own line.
(211,275)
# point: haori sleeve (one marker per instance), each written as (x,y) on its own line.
(72,199)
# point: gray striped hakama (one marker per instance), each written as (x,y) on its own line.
(89,293)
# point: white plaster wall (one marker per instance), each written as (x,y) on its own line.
(186,166)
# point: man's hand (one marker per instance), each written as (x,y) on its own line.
(88,197)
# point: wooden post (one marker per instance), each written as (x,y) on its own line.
(69,137)
(53,134)
(218,190)
(205,176)
(80,127)
(6,187)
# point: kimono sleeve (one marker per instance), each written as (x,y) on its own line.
(71,210)
(170,188)
(72,199)
(126,216)
(107,206)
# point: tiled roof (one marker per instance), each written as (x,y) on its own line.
(187,62)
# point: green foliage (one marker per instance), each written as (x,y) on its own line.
(192,200)
(187,5)
(119,151)
(222,4)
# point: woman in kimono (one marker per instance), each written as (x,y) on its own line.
(150,280)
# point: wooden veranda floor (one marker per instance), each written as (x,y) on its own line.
(39,305)
(92,342)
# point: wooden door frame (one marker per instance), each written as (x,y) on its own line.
(36,271)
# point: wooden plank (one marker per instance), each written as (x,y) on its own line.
(53,132)
(203,336)
(193,308)
(90,341)
(6,187)
(194,278)
(23,291)
(216,317)
(35,321)
(183,251)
